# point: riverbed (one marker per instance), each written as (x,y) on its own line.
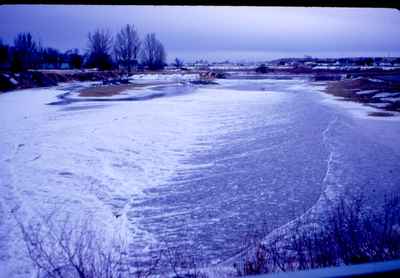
(197,166)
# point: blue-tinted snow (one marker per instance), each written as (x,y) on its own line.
(201,167)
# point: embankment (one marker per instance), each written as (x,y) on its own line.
(376,93)
(34,78)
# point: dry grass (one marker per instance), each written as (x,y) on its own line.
(380,114)
(351,232)
(107,91)
(347,90)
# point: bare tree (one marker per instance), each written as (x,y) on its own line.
(4,54)
(153,53)
(183,262)
(178,63)
(99,48)
(50,57)
(126,47)
(74,59)
(25,52)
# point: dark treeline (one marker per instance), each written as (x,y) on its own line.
(124,51)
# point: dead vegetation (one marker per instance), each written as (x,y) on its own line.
(380,114)
(47,78)
(66,247)
(106,91)
(351,233)
(348,89)
(72,249)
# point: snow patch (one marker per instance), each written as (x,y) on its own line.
(392,99)
(12,80)
(366,92)
(375,80)
(379,105)
(384,94)
(165,77)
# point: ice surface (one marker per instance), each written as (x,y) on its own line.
(201,166)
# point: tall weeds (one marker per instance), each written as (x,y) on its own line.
(352,232)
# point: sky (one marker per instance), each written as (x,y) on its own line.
(217,33)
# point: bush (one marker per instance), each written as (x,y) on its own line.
(262,69)
(75,248)
(351,233)
(72,250)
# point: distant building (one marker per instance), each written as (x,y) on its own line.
(201,66)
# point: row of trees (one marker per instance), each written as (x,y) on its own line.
(127,48)
(125,51)
(26,53)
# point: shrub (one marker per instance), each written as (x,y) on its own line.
(76,248)
(65,249)
(262,69)
(351,233)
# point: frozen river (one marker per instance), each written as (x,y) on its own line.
(200,166)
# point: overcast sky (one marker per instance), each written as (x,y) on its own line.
(217,33)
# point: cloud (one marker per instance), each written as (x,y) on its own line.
(215,29)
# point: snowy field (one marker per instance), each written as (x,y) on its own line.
(192,165)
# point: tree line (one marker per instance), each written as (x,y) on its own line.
(125,51)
